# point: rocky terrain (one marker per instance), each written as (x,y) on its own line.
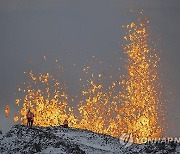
(59,140)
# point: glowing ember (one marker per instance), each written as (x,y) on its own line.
(7,110)
(139,111)
(17,101)
(16,118)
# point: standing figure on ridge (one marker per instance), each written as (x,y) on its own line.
(30,118)
(65,124)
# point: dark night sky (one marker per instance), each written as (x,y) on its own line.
(73,31)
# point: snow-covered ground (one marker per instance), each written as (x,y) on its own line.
(58,140)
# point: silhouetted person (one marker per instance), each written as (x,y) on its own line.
(30,118)
(65,124)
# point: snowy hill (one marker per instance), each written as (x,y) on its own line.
(58,140)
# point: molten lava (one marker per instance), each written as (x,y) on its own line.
(7,110)
(16,118)
(142,89)
(46,99)
(97,110)
(135,110)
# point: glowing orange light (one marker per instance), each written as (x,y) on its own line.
(16,118)
(48,103)
(7,110)
(133,110)
(141,87)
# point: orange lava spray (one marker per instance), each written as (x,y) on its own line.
(139,113)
